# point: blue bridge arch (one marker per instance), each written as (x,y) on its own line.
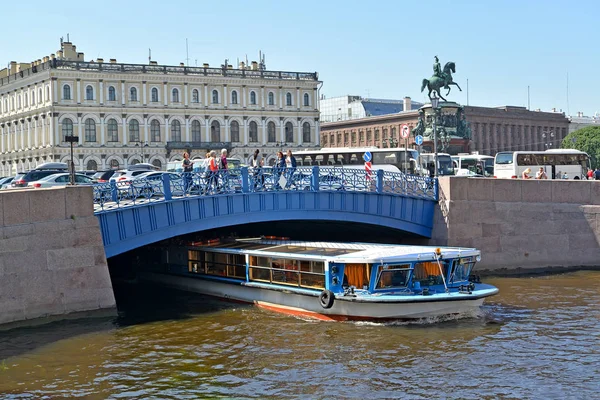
(129,227)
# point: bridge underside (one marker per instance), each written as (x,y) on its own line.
(300,215)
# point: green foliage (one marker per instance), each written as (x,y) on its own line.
(585,139)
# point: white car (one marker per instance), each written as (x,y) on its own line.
(151,183)
(60,179)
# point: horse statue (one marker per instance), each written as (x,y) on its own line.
(439,80)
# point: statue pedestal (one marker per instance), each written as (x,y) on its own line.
(453,132)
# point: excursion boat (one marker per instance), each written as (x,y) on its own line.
(325,280)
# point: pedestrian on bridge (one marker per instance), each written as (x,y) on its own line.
(188,168)
(290,164)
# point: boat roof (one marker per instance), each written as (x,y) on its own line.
(338,252)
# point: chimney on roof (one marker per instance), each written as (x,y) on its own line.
(100,60)
(407,104)
(205,65)
(181,64)
(242,65)
(153,62)
(554,109)
(113,60)
(254,66)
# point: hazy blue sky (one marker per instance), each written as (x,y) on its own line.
(380,49)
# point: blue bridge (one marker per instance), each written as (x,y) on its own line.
(143,211)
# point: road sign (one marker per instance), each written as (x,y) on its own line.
(367,156)
(419,140)
(404,131)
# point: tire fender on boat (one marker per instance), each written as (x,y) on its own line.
(326,298)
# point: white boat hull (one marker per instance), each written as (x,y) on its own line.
(308,304)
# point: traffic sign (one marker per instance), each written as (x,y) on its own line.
(367,156)
(404,131)
(419,140)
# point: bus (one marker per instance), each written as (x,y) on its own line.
(389,159)
(445,166)
(557,163)
(473,165)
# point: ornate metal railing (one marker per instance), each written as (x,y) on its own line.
(113,195)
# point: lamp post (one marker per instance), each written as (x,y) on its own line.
(550,136)
(434,105)
(72,139)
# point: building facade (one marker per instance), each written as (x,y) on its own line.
(124,114)
(493,129)
(345,108)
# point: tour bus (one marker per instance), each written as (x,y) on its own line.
(557,163)
(473,165)
(388,159)
(445,166)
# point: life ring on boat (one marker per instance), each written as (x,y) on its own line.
(326,298)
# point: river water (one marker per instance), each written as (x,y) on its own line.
(539,338)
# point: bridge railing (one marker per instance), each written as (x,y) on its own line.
(112,195)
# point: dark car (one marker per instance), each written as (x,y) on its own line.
(103,176)
(22,179)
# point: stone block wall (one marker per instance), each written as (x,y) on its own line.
(52,259)
(521,225)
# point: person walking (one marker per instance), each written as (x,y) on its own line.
(597,174)
(290,166)
(214,171)
(188,168)
(223,167)
(257,163)
(279,168)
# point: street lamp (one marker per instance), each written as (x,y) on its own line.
(434,105)
(72,139)
(550,136)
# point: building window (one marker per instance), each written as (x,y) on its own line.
(25,103)
(306,100)
(40,98)
(234,97)
(195,96)
(253,132)
(253,98)
(393,133)
(385,134)
(271,132)
(47,94)
(306,132)
(176,131)
(112,94)
(67,128)
(33,98)
(376,134)
(175,95)
(66,92)
(289,132)
(271,99)
(215,97)
(89,92)
(113,130)
(288,99)
(235,131)
(196,132)
(134,131)
(114,164)
(91,165)
(155,131)
(325,139)
(133,94)
(19,101)
(90,130)
(154,95)
(362,136)
(215,131)
(157,163)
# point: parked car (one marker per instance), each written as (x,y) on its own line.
(103,176)
(61,179)
(22,179)
(151,183)
(5,182)
(126,175)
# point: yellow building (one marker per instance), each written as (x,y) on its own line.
(123,114)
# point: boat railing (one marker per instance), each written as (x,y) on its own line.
(244,180)
(292,277)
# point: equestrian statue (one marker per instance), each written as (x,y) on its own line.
(441,78)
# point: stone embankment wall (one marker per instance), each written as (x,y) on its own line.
(52,259)
(521,226)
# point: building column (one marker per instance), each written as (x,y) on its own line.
(281,131)
(125,138)
(78,91)
(224,95)
(315,98)
(144,95)
(262,97)
(166,94)
(123,93)
(54,98)
(299,134)
(298,98)
(2,144)
(206,99)
(245,132)
(264,131)
(207,131)
(187,129)
(226,130)
(102,134)
(318,133)
(101,94)
(185,94)
(44,141)
(79,129)
(281,103)
(22,136)
(244,96)
(29,141)
(146,137)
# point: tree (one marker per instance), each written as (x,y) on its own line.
(585,139)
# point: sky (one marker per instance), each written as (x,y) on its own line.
(378,49)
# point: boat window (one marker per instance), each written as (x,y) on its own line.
(229,265)
(236,266)
(461,268)
(357,275)
(428,273)
(309,274)
(392,276)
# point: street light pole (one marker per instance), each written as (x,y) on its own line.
(72,139)
(434,106)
